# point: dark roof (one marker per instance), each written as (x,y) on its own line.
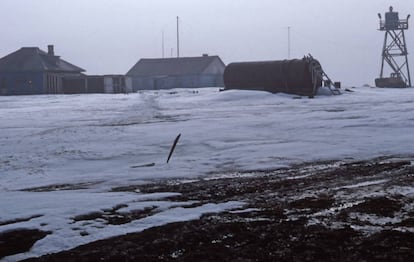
(172,66)
(32,59)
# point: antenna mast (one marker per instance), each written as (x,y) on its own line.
(178,37)
(163,49)
(288,42)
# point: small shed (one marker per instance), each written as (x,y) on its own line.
(183,72)
(30,71)
(117,84)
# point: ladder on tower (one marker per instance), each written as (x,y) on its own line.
(320,77)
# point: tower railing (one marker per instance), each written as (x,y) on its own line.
(401,24)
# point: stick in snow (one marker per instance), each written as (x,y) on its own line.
(173,147)
(144,165)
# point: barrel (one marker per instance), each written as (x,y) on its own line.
(285,76)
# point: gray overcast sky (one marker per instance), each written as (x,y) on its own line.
(110,36)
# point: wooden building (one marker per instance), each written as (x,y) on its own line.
(185,72)
(30,71)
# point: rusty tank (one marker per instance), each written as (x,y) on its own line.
(296,76)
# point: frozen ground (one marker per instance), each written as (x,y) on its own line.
(62,156)
(319,211)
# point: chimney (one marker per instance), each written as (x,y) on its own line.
(50,50)
(205,55)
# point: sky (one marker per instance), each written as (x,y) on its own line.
(110,36)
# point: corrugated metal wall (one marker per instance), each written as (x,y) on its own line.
(74,85)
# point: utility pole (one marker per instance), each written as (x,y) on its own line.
(288,42)
(178,37)
(163,53)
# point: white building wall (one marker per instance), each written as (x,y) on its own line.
(215,68)
(128,84)
(108,85)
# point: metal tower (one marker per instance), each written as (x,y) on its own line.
(394,52)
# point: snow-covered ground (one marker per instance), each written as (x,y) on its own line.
(70,151)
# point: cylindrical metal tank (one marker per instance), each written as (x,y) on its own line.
(295,76)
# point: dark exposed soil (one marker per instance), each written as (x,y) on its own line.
(382,206)
(18,241)
(331,211)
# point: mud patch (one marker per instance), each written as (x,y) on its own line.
(113,217)
(19,241)
(382,206)
(60,187)
(314,203)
